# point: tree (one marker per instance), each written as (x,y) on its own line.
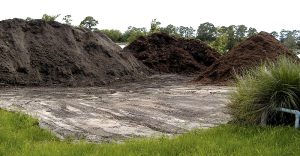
(114,35)
(251,32)
(89,22)
(275,34)
(190,32)
(241,31)
(49,18)
(283,35)
(290,42)
(170,30)
(206,32)
(231,31)
(154,26)
(290,38)
(220,44)
(221,30)
(187,32)
(67,19)
(132,33)
(297,37)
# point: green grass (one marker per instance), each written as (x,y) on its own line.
(20,135)
(265,88)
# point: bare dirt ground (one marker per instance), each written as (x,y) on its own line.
(161,105)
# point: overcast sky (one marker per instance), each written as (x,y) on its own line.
(264,15)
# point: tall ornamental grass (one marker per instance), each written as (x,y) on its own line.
(265,88)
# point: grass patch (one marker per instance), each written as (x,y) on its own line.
(20,135)
(265,88)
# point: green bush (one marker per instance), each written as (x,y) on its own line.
(265,88)
(49,18)
(114,35)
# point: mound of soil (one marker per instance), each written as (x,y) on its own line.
(167,54)
(49,53)
(249,53)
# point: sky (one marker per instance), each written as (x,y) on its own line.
(264,15)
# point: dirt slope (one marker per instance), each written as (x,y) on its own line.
(40,53)
(167,54)
(247,54)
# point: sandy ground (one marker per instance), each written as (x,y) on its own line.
(162,105)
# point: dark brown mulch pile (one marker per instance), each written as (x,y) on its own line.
(251,52)
(166,54)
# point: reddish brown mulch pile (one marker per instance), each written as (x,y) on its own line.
(166,54)
(49,53)
(251,52)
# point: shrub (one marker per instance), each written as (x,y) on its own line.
(49,18)
(114,35)
(265,88)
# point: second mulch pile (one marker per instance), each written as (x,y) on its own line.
(166,54)
(249,53)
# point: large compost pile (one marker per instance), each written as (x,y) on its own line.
(49,53)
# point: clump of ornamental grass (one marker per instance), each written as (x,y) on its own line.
(265,88)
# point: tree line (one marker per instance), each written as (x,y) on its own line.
(222,38)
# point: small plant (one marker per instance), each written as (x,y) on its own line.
(265,88)
(49,18)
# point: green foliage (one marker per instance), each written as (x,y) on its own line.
(275,34)
(283,34)
(264,89)
(49,18)
(206,32)
(226,38)
(231,31)
(182,31)
(290,39)
(290,42)
(20,135)
(67,19)
(223,38)
(89,22)
(114,35)
(155,26)
(241,31)
(186,32)
(220,44)
(251,32)
(132,33)
(170,30)
(17,130)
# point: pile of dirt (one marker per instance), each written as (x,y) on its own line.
(166,54)
(49,53)
(249,53)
